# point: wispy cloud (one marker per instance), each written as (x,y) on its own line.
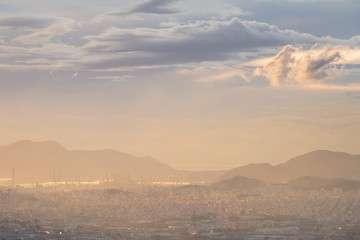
(45,36)
(117,78)
(213,74)
(236,74)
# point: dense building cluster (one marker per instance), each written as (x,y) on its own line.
(182,212)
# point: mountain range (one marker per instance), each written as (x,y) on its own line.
(49,161)
(319,163)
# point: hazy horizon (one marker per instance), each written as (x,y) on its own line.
(186,167)
(194,84)
(189,167)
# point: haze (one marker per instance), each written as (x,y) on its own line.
(195,84)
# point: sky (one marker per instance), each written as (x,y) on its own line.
(204,84)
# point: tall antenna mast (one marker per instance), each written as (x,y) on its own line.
(13,178)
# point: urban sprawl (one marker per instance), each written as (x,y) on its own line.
(148,211)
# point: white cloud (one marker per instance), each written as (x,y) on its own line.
(293,66)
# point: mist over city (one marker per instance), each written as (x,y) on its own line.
(179,119)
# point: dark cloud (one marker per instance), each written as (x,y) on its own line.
(25,22)
(209,40)
(153,7)
(351,66)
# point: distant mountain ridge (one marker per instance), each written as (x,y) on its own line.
(49,161)
(319,163)
(44,161)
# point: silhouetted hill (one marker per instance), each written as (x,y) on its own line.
(260,171)
(307,183)
(48,161)
(320,163)
(38,161)
(239,183)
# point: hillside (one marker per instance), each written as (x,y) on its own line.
(41,161)
(320,163)
(239,183)
(307,183)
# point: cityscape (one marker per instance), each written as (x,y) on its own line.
(192,205)
(123,210)
(180,120)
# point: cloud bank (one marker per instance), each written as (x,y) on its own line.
(62,43)
(204,40)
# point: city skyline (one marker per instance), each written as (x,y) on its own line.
(194,84)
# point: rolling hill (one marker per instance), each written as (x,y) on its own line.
(310,183)
(38,161)
(320,164)
(238,183)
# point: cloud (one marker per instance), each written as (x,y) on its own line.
(181,43)
(236,74)
(117,78)
(315,66)
(36,58)
(230,10)
(45,36)
(153,7)
(280,68)
(293,66)
(213,74)
(75,75)
(25,22)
